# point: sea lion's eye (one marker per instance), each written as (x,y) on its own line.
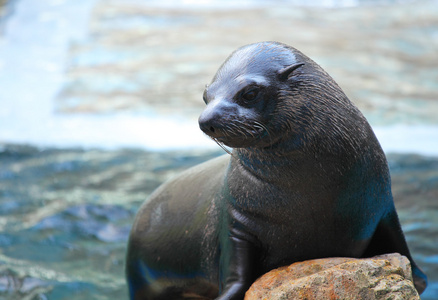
(251,94)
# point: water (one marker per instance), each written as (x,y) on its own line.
(36,74)
(99,102)
(65,216)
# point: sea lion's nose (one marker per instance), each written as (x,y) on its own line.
(208,122)
(215,116)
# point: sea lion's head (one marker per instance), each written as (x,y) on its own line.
(265,93)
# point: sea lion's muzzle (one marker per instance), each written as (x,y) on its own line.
(216,116)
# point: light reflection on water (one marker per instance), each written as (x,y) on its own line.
(65,213)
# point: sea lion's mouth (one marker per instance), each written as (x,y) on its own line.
(235,131)
(243,138)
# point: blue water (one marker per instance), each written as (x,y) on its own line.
(70,183)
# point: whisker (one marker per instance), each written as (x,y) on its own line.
(222,146)
(265,129)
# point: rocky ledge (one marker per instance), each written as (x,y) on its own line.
(381,277)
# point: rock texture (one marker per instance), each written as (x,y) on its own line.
(382,277)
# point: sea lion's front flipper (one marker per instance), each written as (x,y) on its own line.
(237,268)
(389,238)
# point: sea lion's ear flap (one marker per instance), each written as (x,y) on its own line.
(284,73)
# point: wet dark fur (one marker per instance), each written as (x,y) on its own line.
(307,179)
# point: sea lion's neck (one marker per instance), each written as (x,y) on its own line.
(267,164)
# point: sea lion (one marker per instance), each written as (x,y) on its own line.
(306,179)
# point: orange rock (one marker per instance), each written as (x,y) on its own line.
(381,277)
